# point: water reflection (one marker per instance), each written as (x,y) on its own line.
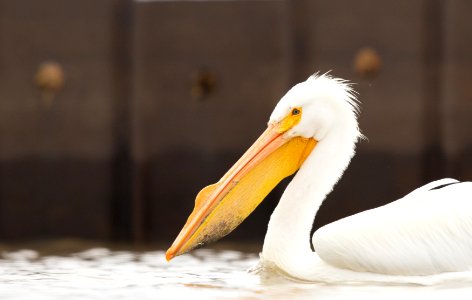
(100,273)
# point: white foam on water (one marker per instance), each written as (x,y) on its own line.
(100,273)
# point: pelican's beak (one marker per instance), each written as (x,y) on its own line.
(221,207)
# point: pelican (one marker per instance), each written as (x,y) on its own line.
(423,238)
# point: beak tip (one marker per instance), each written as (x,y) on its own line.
(170,254)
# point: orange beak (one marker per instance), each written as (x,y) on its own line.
(221,207)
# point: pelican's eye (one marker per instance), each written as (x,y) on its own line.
(292,119)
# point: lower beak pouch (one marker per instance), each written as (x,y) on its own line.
(221,207)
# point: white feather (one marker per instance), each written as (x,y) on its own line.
(426,232)
(423,238)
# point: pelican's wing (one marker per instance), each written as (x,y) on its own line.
(433,186)
(428,231)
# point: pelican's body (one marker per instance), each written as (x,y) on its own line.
(424,238)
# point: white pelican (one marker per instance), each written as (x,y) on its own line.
(423,238)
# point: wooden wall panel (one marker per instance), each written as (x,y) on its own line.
(56,160)
(76,34)
(456,106)
(181,142)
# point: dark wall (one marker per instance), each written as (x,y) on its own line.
(161,97)
(56,149)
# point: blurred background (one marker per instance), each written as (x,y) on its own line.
(115,113)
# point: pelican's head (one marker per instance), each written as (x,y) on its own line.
(318,108)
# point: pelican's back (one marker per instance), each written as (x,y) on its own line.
(429,231)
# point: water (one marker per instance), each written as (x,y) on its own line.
(100,273)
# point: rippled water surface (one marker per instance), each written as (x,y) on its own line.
(100,273)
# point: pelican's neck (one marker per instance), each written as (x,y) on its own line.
(288,233)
